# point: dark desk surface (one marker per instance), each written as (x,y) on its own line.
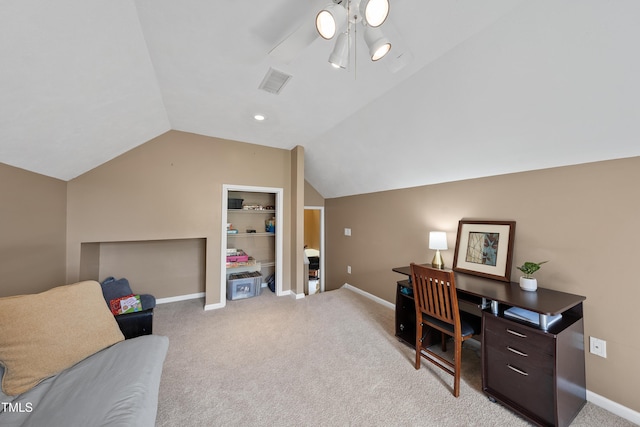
(543,301)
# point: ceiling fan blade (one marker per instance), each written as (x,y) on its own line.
(295,42)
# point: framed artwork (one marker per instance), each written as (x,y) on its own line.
(485,248)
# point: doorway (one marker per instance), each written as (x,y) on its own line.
(314,243)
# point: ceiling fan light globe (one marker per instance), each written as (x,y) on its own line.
(378,44)
(326,25)
(330,20)
(381,51)
(375,12)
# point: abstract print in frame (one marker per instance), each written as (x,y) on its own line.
(485,248)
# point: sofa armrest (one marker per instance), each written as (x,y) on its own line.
(136,324)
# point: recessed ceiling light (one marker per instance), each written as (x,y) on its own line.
(259,117)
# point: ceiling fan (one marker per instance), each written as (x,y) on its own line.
(339,18)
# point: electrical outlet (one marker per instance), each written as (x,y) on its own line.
(348,269)
(347,232)
(598,347)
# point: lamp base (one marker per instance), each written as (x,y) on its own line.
(437,261)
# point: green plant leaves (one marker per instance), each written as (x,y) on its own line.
(528,268)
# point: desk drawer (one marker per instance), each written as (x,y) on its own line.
(519,366)
(517,338)
(526,383)
(520,348)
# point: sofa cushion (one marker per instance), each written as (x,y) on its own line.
(117,386)
(43,334)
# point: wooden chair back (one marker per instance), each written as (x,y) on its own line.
(435,294)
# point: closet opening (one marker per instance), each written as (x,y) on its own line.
(252,241)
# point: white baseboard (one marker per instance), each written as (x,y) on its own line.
(293,294)
(216,306)
(180,298)
(370,296)
(603,402)
(613,407)
(188,297)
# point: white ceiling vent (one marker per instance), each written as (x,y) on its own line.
(274,81)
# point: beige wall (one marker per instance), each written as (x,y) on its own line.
(171,189)
(164,268)
(311,196)
(32,231)
(582,218)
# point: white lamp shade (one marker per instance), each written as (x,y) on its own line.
(378,44)
(339,58)
(438,240)
(331,20)
(375,12)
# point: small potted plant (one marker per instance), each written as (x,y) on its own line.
(528,282)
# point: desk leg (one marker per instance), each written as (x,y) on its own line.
(494,307)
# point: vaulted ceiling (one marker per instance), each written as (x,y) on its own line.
(471,88)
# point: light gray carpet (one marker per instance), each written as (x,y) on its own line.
(330,359)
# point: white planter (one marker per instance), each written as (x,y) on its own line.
(528,284)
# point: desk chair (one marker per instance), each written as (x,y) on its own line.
(437,307)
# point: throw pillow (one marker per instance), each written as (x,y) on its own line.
(43,334)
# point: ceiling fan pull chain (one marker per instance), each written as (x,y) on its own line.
(355,52)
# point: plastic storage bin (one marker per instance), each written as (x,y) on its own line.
(244,285)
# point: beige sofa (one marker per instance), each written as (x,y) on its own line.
(64,362)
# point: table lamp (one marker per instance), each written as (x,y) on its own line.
(438,241)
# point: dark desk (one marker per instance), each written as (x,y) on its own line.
(545,302)
(537,371)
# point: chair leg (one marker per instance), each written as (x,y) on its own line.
(418,344)
(457,362)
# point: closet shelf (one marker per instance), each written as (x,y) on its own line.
(252,211)
(265,234)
